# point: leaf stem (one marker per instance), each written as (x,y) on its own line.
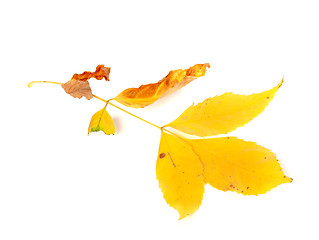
(161,128)
(31,83)
(108,101)
(154,125)
(134,115)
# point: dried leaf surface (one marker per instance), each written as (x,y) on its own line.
(100,73)
(232,164)
(78,89)
(222,114)
(147,94)
(180,175)
(102,121)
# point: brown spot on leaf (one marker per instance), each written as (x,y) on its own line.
(162,155)
(247,188)
(282,81)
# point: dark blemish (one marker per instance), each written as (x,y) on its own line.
(280,84)
(284,176)
(171,159)
(242,191)
(265,157)
(267,97)
(231,186)
(227,137)
(162,155)
(182,172)
(247,188)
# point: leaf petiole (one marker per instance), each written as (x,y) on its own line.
(31,83)
(154,125)
(108,102)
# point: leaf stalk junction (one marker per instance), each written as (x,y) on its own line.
(112,104)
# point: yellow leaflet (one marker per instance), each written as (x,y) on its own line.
(232,164)
(102,121)
(147,94)
(180,175)
(222,114)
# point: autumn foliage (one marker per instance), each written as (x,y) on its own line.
(147,94)
(185,165)
(79,87)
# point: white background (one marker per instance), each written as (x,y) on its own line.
(58,183)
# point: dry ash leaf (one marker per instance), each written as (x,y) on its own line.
(78,89)
(147,94)
(100,73)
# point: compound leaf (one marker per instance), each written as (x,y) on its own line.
(147,94)
(222,114)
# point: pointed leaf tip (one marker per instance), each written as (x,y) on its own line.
(282,81)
